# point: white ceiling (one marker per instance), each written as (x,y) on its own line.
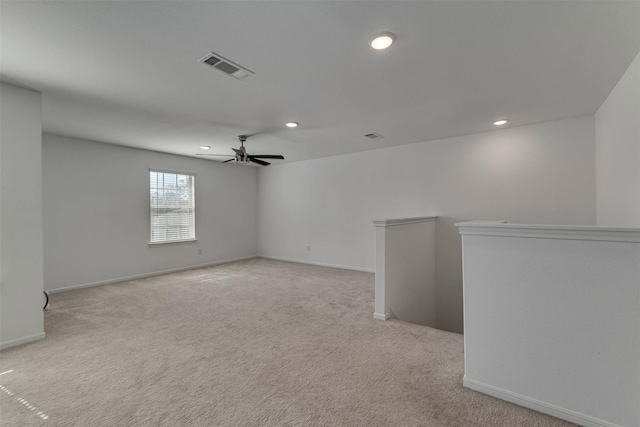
(127,72)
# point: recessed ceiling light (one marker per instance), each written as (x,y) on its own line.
(500,122)
(205,147)
(382,41)
(291,124)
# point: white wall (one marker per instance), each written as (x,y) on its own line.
(21,264)
(96,213)
(552,319)
(542,173)
(618,153)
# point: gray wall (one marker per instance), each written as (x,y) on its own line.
(542,173)
(618,153)
(21,264)
(96,213)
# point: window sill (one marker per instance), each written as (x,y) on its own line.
(174,242)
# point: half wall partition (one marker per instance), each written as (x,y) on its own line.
(552,319)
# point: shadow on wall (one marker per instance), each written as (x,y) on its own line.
(419,271)
(449,274)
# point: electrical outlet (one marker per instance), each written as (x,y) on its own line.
(308,247)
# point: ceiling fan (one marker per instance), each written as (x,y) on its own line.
(242,156)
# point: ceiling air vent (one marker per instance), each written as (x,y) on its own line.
(229,68)
(373,135)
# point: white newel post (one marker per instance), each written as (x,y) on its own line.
(405,270)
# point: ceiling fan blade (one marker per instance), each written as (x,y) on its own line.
(257,133)
(258,161)
(267,156)
(230,160)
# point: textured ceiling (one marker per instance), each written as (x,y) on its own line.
(127,72)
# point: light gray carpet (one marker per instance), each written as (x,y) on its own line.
(251,343)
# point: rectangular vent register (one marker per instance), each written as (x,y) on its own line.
(224,65)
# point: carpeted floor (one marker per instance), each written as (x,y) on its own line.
(251,343)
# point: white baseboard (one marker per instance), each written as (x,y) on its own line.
(320,264)
(537,405)
(381,316)
(142,276)
(23,340)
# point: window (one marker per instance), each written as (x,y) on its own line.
(172,207)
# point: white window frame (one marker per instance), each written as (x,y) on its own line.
(188,200)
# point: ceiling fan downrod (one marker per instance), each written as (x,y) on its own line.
(242,157)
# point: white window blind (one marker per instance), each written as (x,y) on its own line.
(172,210)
